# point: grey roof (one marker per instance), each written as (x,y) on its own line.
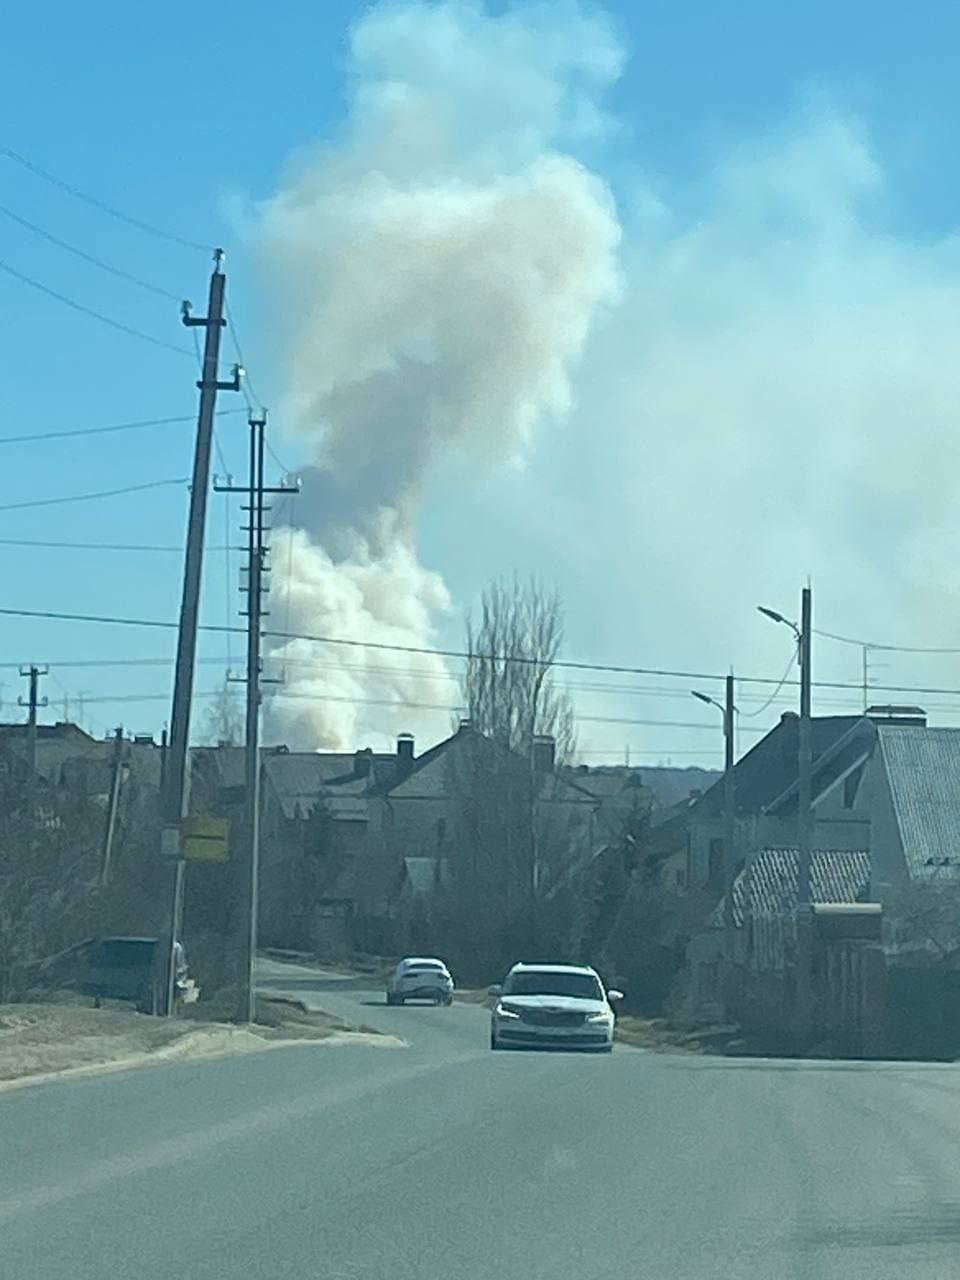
(299,778)
(667,786)
(923,770)
(770,766)
(768,886)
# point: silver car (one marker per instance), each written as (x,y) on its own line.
(420,978)
(553,1006)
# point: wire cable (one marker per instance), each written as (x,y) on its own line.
(90,497)
(886,648)
(95,315)
(39,436)
(88,257)
(105,546)
(560,663)
(776,693)
(102,205)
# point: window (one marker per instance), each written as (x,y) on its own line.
(546,982)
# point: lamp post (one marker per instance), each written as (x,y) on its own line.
(728,710)
(803,634)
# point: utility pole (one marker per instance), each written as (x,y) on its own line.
(256,569)
(805,763)
(728,707)
(805,830)
(113,805)
(33,674)
(176,797)
(729,799)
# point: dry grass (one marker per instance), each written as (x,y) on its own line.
(657,1035)
(52,1038)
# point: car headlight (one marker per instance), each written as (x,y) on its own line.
(502,1011)
(600,1017)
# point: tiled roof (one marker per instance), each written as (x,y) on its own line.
(770,767)
(769,883)
(923,769)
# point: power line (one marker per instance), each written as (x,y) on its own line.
(776,693)
(88,257)
(158,624)
(97,431)
(103,546)
(886,648)
(102,205)
(95,315)
(89,497)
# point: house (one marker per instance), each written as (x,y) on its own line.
(763,778)
(350,842)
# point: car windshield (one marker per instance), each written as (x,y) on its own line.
(553,982)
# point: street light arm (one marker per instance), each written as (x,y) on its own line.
(778,617)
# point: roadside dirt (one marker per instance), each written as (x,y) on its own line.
(41,1041)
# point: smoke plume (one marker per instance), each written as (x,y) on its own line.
(434,275)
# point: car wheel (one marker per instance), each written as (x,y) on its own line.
(448,1001)
(493,1041)
(390,998)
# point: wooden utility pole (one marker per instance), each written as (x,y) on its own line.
(176,795)
(256,570)
(32,703)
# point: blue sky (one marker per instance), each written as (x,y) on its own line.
(179,116)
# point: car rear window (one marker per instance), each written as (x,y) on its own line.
(425,968)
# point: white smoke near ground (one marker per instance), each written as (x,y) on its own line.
(434,277)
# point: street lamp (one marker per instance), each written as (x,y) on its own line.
(729,710)
(778,617)
(803,635)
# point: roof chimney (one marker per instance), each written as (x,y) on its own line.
(544,753)
(405,750)
(789,736)
(362,761)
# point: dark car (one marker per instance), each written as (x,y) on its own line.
(123,968)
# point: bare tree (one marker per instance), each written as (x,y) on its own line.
(508,685)
(225,717)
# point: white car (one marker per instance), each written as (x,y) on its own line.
(553,1006)
(419,978)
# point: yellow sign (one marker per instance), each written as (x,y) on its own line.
(205,839)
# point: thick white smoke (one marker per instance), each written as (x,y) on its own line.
(435,275)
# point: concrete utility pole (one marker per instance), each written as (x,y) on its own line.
(256,569)
(805,763)
(33,674)
(804,1014)
(176,796)
(729,710)
(804,992)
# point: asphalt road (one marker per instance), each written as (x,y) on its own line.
(443,1161)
